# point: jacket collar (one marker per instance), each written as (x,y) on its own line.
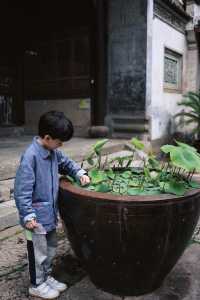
(45,153)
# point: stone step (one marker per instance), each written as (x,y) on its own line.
(8,215)
(144,137)
(6,190)
(133,128)
(11,131)
(130,119)
(126,126)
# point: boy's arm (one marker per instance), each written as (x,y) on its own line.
(67,166)
(23,190)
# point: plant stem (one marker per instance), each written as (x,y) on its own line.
(188,176)
(192,175)
(99,160)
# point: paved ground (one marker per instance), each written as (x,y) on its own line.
(12,148)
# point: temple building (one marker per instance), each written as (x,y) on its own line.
(124,64)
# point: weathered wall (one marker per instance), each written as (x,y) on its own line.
(164,105)
(77,110)
(127,35)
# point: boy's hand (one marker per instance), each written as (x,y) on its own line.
(31,224)
(84,180)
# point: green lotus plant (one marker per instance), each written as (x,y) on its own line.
(119,176)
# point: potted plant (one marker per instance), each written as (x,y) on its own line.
(191,101)
(130,225)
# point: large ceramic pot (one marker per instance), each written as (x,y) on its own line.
(128,244)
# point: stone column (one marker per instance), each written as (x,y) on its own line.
(98,67)
(149,57)
(126,60)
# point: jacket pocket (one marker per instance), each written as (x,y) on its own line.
(44,213)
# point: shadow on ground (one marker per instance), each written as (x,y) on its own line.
(68,269)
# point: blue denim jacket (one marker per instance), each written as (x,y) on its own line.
(37,182)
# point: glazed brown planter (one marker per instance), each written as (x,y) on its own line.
(128,244)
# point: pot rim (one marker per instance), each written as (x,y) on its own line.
(91,195)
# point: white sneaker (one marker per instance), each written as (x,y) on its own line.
(56,285)
(44,291)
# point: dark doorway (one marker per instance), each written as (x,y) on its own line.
(57,51)
(11,81)
(49,52)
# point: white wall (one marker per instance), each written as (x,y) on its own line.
(164,105)
(77,110)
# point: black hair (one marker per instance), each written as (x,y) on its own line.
(55,124)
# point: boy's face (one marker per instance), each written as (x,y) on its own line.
(50,143)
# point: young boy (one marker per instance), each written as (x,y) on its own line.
(36,191)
